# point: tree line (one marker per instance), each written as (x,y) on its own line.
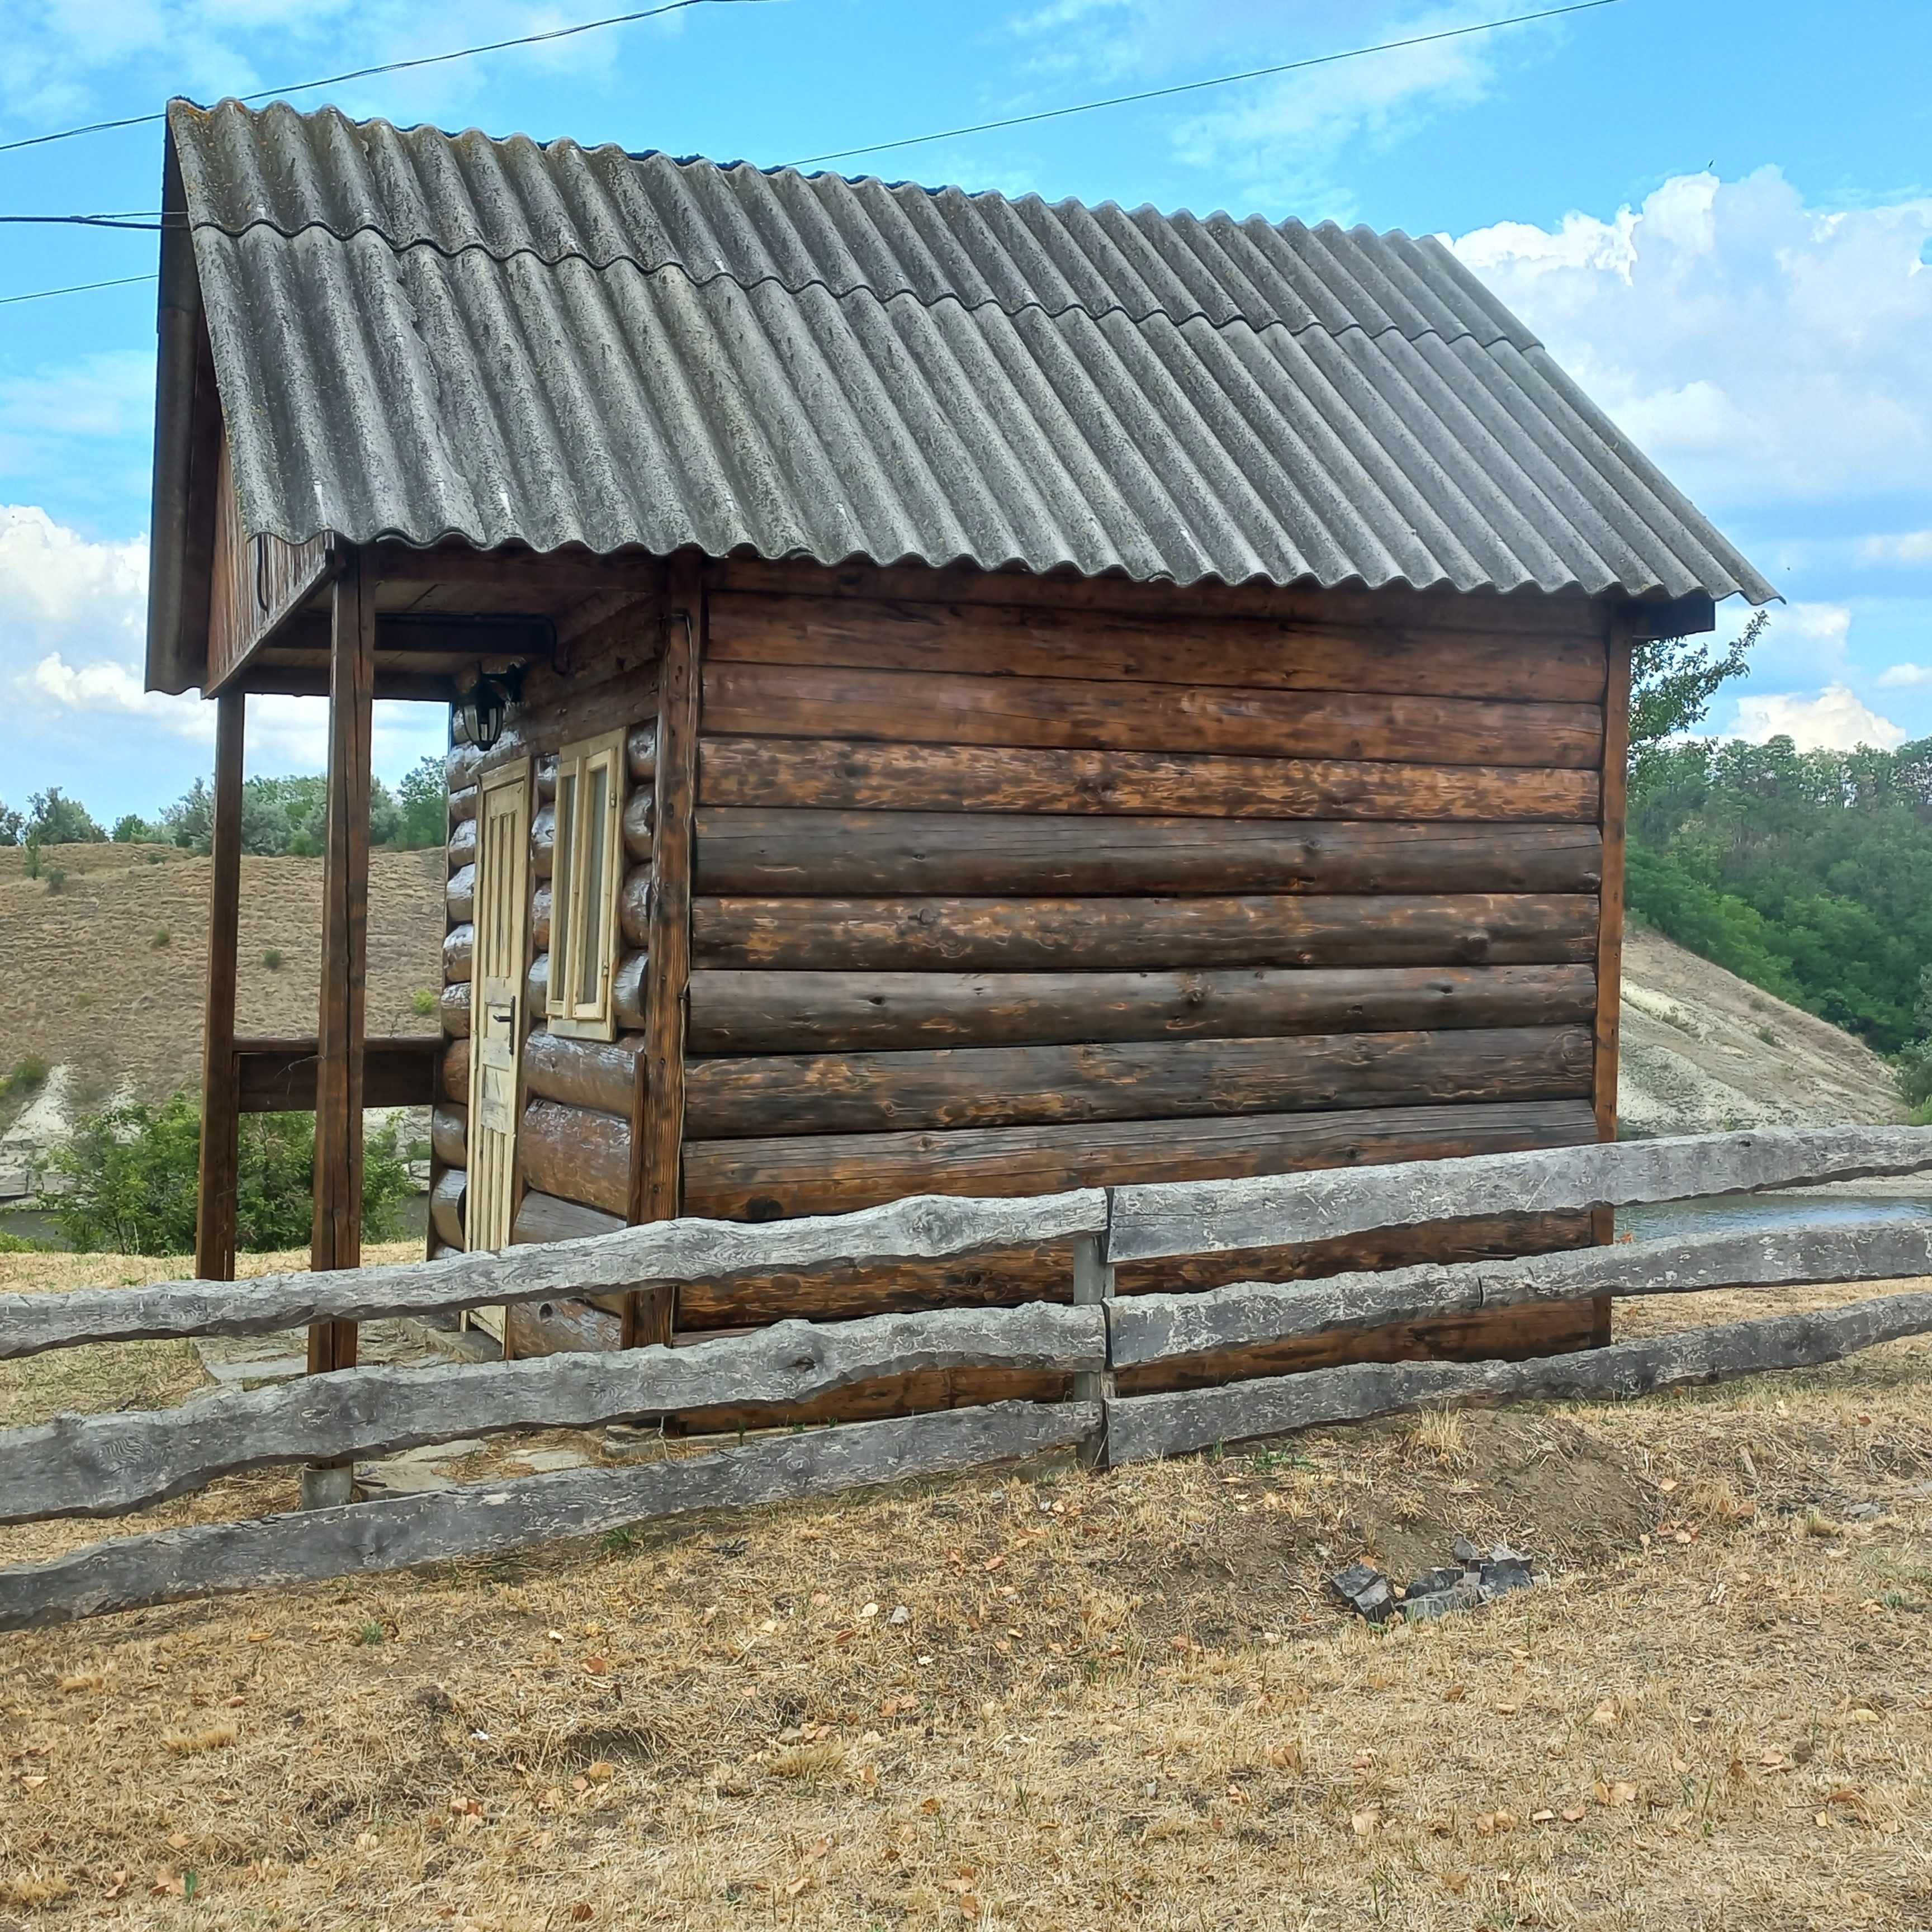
(281,817)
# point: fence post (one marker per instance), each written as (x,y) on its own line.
(1093,1288)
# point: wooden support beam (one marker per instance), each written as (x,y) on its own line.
(221,1134)
(336,1240)
(656,1182)
(1615,795)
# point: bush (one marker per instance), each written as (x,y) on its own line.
(422,1001)
(136,1170)
(29,1076)
(160,941)
(272,959)
(56,877)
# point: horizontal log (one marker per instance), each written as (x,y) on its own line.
(1149,1426)
(463,803)
(924,1229)
(937,707)
(921,1392)
(494,1519)
(108,1465)
(763,1179)
(736,1011)
(1304,653)
(1044,1273)
(578,1153)
(543,1217)
(456,1072)
(543,840)
(1209,1217)
(583,1073)
(1155,1327)
(640,753)
(541,902)
(459,946)
(1046,934)
(1391,609)
(449,1134)
(1014,1086)
(753,854)
(445,1205)
(460,765)
(454,1007)
(627,991)
(640,816)
(1508,1334)
(544,771)
(561,1326)
(834,773)
(460,894)
(277,1076)
(462,844)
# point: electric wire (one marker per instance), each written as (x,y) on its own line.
(386,67)
(158,221)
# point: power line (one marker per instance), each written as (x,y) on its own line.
(75,289)
(840,154)
(1219,80)
(386,67)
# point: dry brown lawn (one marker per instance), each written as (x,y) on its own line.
(94,986)
(1119,1700)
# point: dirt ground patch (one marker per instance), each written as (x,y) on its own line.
(1112,1699)
(107,975)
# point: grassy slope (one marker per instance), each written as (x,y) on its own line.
(89,988)
(1119,1699)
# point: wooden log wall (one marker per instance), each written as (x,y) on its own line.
(605,675)
(997,897)
(1064,886)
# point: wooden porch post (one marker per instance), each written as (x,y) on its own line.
(337,1240)
(214,1204)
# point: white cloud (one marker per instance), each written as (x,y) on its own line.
(1906,546)
(1285,140)
(1755,346)
(1836,720)
(73,638)
(1905,676)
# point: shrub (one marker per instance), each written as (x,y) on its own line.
(135,1171)
(422,1001)
(29,1076)
(20,1244)
(272,959)
(160,940)
(56,877)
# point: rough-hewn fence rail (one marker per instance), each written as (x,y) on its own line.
(108,1465)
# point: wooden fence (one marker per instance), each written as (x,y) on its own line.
(109,1464)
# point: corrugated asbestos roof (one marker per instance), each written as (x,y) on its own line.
(425,336)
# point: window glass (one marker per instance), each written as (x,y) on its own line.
(587,959)
(560,934)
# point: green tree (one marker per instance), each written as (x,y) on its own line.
(424,797)
(53,819)
(13,826)
(131,829)
(135,1171)
(1673,680)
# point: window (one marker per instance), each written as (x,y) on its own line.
(586,874)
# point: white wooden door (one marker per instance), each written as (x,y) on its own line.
(496,1013)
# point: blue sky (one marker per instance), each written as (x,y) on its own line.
(1716,213)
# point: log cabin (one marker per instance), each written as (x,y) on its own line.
(948,694)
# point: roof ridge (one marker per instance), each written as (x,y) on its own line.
(674,264)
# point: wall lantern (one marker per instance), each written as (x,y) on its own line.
(481,708)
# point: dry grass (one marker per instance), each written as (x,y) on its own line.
(87,991)
(1114,1700)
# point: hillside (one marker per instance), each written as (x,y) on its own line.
(108,973)
(1704,1050)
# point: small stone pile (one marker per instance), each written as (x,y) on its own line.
(1475,1578)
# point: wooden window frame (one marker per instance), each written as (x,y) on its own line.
(571,887)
